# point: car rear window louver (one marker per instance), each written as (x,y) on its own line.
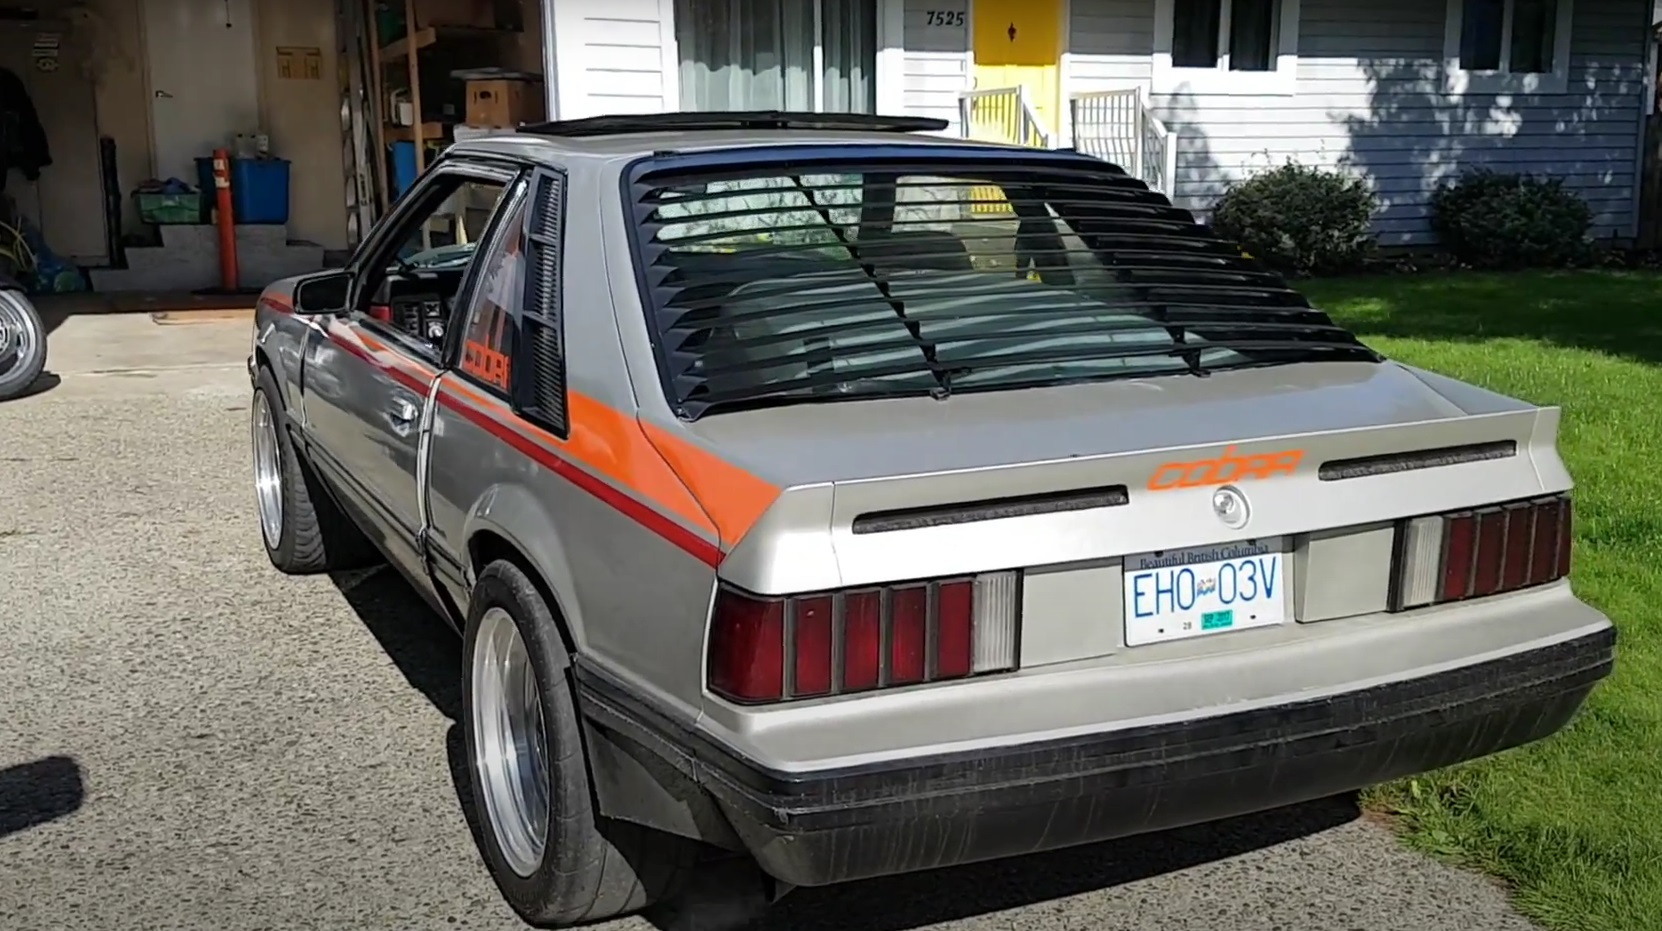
(1337,470)
(836,277)
(971,511)
(543,321)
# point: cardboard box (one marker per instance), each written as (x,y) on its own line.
(479,14)
(504,103)
(463,132)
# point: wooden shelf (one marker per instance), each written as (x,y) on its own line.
(400,48)
(430,130)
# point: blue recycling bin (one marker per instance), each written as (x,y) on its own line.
(259,188)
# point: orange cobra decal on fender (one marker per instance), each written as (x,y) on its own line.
(1228,467)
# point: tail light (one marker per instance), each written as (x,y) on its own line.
(769,649)
(1482,551)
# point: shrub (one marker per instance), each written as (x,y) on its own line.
(1300,220)
(1492,220)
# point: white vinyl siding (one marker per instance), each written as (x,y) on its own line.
(936,58)
(614,57)
(1371,96)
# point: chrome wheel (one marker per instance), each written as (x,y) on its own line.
(510,755)
(268,470)
(17,331)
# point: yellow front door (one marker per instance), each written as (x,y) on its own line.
(1018,43)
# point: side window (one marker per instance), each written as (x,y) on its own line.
(488,340)
(412,279)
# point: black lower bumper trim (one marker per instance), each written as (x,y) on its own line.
(920,813)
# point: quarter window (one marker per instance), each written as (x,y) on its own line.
(488,341)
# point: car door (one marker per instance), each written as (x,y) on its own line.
(504,374)
(370,372)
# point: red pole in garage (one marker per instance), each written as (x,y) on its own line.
(226,221)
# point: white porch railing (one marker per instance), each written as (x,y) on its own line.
(1119,126)
(1116,126)
(1001,114)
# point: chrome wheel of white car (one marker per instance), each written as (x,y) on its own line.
(511,751)
(268,470)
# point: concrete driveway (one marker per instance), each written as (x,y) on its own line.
(189,740)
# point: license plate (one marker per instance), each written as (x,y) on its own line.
(1177,594)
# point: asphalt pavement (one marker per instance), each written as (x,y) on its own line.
(189,740)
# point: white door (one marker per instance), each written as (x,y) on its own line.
(203,89)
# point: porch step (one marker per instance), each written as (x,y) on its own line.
(188,259)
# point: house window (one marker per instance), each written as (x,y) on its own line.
(1201,38)
(1226,46)
(1489,42)
(1508,45)
(818,55)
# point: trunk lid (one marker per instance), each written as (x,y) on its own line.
(888,490)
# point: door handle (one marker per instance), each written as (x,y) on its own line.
(403,411)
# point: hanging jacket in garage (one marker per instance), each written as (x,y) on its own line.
(22,138)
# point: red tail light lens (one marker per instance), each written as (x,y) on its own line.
(812,653)
(750,665)
(1469,554)
(804,646)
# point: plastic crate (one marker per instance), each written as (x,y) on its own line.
(168,209)
(259,188)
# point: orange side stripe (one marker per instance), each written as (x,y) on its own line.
(707,492)
(734,499)
(610,443)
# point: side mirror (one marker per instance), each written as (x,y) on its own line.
(326,293)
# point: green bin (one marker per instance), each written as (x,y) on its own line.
(155,207)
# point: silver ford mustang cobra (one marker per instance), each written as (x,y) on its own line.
(850,500)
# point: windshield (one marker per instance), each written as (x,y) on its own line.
(450,256)
(802,282)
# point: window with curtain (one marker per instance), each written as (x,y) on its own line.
(816,55)
(1511,36)
(1252,41)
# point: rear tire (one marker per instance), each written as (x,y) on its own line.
(555,861)
(22,344)
(303,530)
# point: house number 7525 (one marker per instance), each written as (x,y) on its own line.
(944,18)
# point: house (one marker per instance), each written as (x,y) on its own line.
(1189,94)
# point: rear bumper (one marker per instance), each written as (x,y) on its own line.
(832,826)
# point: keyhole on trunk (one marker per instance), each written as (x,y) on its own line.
(1012,32)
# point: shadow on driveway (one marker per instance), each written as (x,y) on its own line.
(39,792)
(428,653)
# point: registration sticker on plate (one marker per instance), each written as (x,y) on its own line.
(1176,594)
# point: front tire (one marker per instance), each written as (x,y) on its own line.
(303,530)
(22,344)
(554,860)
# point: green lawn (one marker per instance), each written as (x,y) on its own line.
(1574,823)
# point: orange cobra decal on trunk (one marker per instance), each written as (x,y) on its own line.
(1228,467)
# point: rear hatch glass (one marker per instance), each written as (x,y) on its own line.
(839,279)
